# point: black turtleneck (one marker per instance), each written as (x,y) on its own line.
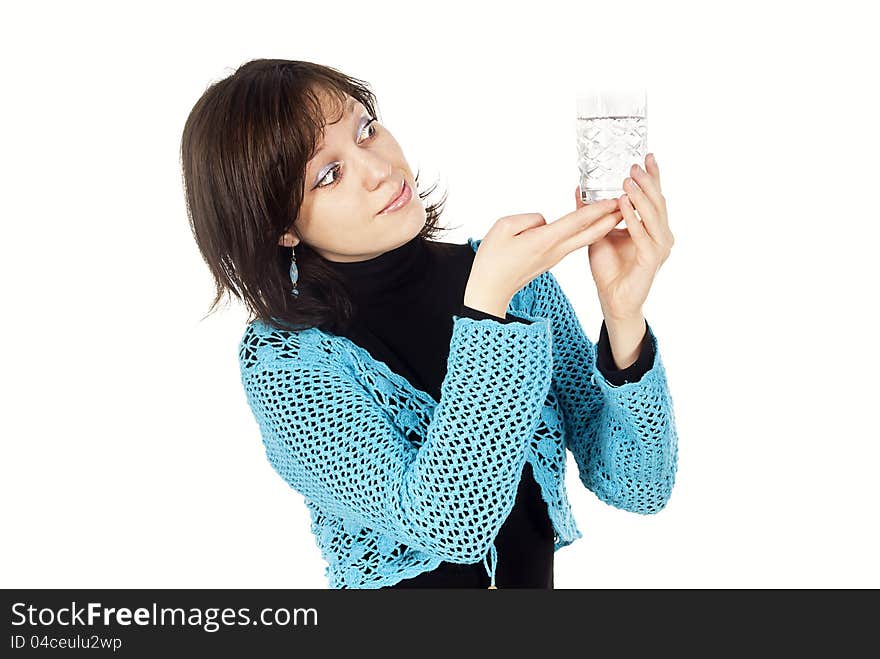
(404,300)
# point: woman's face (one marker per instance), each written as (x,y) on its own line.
(358,168)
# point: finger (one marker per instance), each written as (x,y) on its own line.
(647,211)
(579,219)
(591,234)
(648,185)
(579,202)
(653,170)
(635,228)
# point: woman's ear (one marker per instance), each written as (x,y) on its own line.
(288,240)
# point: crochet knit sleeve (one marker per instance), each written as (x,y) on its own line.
(623,437)
(337,434)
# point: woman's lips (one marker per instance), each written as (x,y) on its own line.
(402,200)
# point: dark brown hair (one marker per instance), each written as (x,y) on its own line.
(244,151)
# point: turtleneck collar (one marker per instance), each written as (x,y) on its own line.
(383,276)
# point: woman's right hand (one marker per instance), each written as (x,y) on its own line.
(520,247)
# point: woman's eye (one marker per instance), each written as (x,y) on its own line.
(335,168)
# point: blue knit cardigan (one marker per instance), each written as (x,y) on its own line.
(397,482)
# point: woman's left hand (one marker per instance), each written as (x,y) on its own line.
(625,261)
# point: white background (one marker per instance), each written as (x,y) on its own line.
(130,456)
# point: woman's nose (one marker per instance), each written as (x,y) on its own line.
(376,169)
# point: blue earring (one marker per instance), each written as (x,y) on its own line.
(294,273)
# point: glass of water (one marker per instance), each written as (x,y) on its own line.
(612,136)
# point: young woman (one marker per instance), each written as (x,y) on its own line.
(419,394)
